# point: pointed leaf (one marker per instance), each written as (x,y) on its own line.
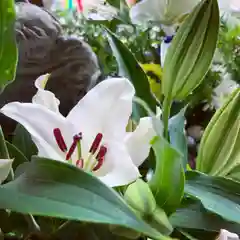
(129,68)
(177,135)
(8,48)
(217,194)
(167,183)
(56,189)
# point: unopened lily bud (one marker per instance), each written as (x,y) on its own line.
(139,196)
(219,150)
(191,52)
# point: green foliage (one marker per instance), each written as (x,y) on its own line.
(64,202)
(8,48)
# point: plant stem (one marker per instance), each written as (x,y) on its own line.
(32,224)
(166,113)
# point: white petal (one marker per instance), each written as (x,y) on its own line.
(147,10)
(164,48)
(138,142)
(106,108)
(118,168)
(226,235)
(5,167)
(40,123)
(44,97)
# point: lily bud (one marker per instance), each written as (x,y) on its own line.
(191,52)
(139,196)
(219,150)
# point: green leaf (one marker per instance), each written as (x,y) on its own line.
(191,52)
(56,189)
(219,151)
(192,215)
(23,141)
(167,183)
(177,135)
(8,48)
(3,148)
(217,194)
(16,154)
(129,68)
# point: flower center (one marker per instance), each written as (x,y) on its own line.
(96,154)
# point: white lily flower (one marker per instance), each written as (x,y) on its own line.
(5,167)
(226,235)
(223,90)
(43,97)
(93,136)
(169,12)
(163,11)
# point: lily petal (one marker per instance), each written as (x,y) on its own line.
(44,97)
(166,12)
(146,10)
(225,235)
(40,123)
(106,108)
(118,168)
(5,167)
(138,142)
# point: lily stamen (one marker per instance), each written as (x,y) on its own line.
(80,163)
(59,139)
(76,140)
(96,143)
(99,164)
(102,152)
(100,158)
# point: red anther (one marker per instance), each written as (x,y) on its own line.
(96,143)
(59,139)
(102,152)
(99,164)
(79,163)
(76,139)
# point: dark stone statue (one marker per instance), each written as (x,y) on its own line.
(43,49)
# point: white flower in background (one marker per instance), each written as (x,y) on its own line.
(226,235)
(223,90)
(5,167)
(169,12)
(93,136)
(161,11)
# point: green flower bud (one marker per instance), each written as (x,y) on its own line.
(191,52)
(139,196)
(219,150)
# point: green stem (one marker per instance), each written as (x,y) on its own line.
(166,113)
(32,224)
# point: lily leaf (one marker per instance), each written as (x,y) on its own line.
(167,183)
(129,68)
(3,147)
(22,140)
(8,47)
(193,216)
(55,189)
(218,195)
(177,136)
